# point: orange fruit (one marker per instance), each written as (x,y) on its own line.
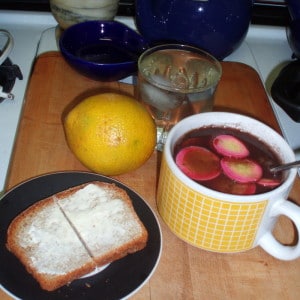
(110,133)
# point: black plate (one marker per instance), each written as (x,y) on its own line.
(120,279)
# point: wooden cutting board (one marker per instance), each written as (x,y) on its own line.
(41,146)
(184,272)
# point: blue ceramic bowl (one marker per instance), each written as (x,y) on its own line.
(102,50)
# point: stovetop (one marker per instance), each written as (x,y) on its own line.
(265,49)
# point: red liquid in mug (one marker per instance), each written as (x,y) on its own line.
(259,152)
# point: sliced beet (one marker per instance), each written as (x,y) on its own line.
(241,170)
(269,182)
(226,185)
(228,145)
(198,163)
(193,141)
(244,188)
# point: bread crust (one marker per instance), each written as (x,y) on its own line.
(21,225)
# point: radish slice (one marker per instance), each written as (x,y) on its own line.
(241,170)
(198,163)
(228,145)
(269,182)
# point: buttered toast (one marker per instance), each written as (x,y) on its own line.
(69,234)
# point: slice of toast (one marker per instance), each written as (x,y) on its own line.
(41,238)
(69,234)
(108,211)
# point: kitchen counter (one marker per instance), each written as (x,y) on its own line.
(265,49)
(184,271)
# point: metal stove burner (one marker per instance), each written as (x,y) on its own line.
(8,74)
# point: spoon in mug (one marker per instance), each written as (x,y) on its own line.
(287,166)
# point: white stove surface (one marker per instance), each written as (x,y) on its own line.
(265,49)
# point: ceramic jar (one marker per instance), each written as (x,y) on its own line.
(69,12)
(217,27)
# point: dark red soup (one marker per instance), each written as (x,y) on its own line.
(227,160)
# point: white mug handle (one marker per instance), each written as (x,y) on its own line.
(7,47)
(268,241)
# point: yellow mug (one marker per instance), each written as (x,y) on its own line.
(222,222)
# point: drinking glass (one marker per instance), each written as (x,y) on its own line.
(175,81)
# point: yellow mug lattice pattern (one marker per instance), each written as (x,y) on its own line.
(206,222)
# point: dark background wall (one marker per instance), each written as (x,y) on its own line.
(264,12)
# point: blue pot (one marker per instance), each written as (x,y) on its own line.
(293,35)
(293,31)
(294,8)
(216,26)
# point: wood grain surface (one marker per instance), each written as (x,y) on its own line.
(184,272)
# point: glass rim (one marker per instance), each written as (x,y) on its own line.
(183,47)
(230,120)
